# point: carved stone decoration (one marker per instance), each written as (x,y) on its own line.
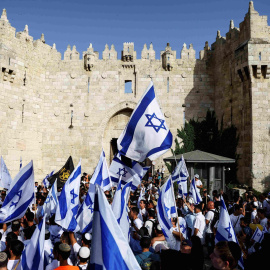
(167,114)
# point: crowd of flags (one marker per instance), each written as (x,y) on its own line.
(145,136)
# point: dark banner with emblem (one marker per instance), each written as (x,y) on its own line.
(63,174)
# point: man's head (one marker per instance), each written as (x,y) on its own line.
(243,222)
(84,254)
(15,226)
(261,213)
(41,200)
(238,209)
(16,248)
(10,237)
(3,260)
(196,176)
(134,212)
(65,238)
(145,242)
(198,208)
(86,239)
(63,252)
(29,216)
(142,204)
(28,232)
(210,205)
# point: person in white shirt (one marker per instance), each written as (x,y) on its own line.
(83,257)
(253,213)
(199,224)
(16,249)
(209,234)
(143,213)
(262,218)
(239,212)
(266,205)
(48,248)
(137,223)
(149,224)
(198,182)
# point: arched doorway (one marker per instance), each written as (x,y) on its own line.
(113,130)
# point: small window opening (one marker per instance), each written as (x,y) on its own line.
(128,87)
(260,56)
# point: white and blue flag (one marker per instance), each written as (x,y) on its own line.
(165,211)
(146,134)
(19,196)
(49,206)
(257,236)
(5,178)
(194,192)
(109,249)
(33,254)
(101,174)
(45,181)
(68,202)
(225,230)
(119,207)
(181,175)
(85,213)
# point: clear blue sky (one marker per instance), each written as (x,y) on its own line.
(80,22)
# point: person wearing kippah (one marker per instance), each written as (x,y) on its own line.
(3,260)
(63,254)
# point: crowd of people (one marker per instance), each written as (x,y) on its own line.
(198,223)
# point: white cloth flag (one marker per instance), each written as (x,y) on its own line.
(257,236)
(68,205)
(146,134)
(194,192)
(109,249)
(225,231)
(101,174)
(45,181)
(19,196)
(85,212)
(119,207)
(49,206)
(180,174)
(5,178)
(33,254)
(165,211)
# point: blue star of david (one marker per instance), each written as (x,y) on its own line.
(228,229)
(122,172)
(19,194)
(167,209)
(74,196)
(91,208)
(51,255)
(151,124)
(183,228)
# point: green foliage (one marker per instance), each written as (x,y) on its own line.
(207,136)
(169,166)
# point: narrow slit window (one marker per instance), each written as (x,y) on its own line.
(128,87)
(260,56)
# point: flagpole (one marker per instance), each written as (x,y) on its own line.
(178,225)
(179,171)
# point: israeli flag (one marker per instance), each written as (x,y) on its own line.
(141,197)
(19,196)
(45,181)
(110,249)
(146,134)
(257,236)
(225,231)
(49,206)
(183,226)
(68,205)
(180,174)
(194,192)
(33,254)
(101,174)
(85,213)
(165,211)
(119,207)
(5,178)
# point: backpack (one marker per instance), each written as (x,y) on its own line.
(215,219)
(146,262)
(153,229)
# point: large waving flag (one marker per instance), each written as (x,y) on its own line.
(225,231)
(119,207)
(19,196)
(5,178)
(194,192)
(45,181)
(85,213)
(33,254)
(68,205)
(165,211)
(180,174)
(146,134)
(101,174)
(110,249)
(49,206)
